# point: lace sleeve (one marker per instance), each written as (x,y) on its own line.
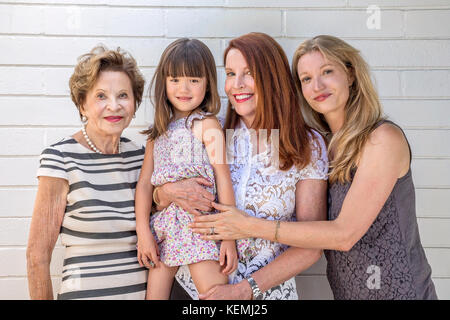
(318,167)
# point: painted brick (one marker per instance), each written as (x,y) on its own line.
(426,83)
(17,202)
(21,141)
(104,21)
(427,23)
(222,23)
(432,203)
(305,23)
(313,288)
(434,232)
(418,113)
(431,172)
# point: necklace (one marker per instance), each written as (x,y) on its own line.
(91,144)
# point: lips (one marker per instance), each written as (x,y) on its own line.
(113,118)
(242,97)
(184,99)
(322,97)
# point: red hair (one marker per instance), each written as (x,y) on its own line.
(278,105)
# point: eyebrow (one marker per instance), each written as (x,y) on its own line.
(321,67)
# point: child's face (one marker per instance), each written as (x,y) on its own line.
(185,93)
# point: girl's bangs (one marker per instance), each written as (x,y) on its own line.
(182,64)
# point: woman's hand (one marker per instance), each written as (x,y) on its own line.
(148,251)
(188,194)
(238,291)
(231,224)
(228,257)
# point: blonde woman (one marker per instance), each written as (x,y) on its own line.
(371,240)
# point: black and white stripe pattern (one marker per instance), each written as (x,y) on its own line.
(99,225)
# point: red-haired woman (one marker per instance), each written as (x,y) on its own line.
(278,168)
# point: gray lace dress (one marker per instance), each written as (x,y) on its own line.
(388,262)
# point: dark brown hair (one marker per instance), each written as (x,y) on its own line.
(278,104)
(100,59)
(182,58)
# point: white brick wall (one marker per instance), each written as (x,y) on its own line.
(40,41)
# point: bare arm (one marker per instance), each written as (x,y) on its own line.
(384,159)
(46,223)
(310,205)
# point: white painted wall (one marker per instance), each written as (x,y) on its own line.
(40,41)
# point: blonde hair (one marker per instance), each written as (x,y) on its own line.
(100,59)
(362,111)
(182,58)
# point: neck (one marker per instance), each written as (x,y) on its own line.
(180,114)
(335,121)
(107,144)
(248,120)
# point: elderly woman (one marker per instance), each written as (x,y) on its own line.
(86,189)
(273,179)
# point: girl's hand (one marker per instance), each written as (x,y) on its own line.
(188,194)
(230,224)
(228,257)
(148,251)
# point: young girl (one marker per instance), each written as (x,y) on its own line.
(185,141)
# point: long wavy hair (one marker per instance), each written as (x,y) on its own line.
(182,58)
(362,111)
(278,104)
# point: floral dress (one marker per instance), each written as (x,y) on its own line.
(264,191)
(178,155)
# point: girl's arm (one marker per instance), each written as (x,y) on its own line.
(143,205)
(384,159)
(48,213)
(214,140)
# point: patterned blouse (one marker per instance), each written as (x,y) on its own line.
(264,191)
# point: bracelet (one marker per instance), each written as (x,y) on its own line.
(256,292)
(277,227)
(155,196)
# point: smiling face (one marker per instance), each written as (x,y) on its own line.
(109,104)
(325,84)
(185,93)
(240,86)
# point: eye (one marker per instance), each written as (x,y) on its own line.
(123,95)
(327,71)
(305,79)
(101,96)
(230,74)
(173,80)
(195,80)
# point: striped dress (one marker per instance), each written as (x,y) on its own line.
(99,225)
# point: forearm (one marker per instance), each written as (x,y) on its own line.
(287,265)
(39,281)
(305,234)
(143,206)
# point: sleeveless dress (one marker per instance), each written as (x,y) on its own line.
(178,155)
(99,225)
(388,262)
(264,191)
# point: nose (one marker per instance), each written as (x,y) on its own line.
(184,85)
(318,84)
(238,82)
(114,104)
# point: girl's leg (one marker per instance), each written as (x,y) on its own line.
(206,274)
(160,281)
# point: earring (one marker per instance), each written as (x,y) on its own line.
(84,119)
(134,116)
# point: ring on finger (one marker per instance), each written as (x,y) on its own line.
(211,230)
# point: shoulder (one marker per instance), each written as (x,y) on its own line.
(58,148)
(318,145)
(387,145)
(387,137)
(211,122)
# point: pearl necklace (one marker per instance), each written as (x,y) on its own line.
(91,144)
